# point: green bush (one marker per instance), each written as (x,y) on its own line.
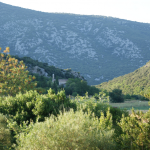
(97,106)
(127,96)
(96,96)
(79,86)
(117,114)
(32,106)
(86,103)
(142,98)
(116,96)
(74,94)
(135,97)
(135,131)
(70,131)
(5,134)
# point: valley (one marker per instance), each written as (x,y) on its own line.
(105,63)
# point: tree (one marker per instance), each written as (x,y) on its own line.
(82,87)
(54,86)
(57,82)
(116,96)
(79,86)
(14,76)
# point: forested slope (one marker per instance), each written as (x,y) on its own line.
(48,70)
(76,84)
(134,83)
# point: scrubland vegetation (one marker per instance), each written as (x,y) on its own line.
(30,119)
(133,85)
(53,121)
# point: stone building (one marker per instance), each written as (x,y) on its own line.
(61,81)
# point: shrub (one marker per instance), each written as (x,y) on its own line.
(5,134)
(96,107)
(74,94)
(127,96)
(117,114)
(85,103)
(96,96)
(32,106)
(135,97)
(142,98)
(116,96)
(135,131)
(70,131)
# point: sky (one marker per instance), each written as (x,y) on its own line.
(134,10)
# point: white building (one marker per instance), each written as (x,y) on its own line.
(61,81)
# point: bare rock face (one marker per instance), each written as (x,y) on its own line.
(73,73)
(77,75)
(37,70)
(42,72)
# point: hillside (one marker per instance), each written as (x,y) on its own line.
(42,72)
(132,83)
(43,69)
(98,47)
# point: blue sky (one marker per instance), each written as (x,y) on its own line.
(135,10)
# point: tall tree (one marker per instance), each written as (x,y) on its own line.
(14,76)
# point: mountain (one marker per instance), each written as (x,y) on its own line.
(133,83)
(98,47)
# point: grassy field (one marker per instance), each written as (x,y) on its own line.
(129,104)
(136,104)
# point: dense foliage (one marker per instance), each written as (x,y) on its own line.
(43,82)
(13,76)
(135,131)
(31,120)
(91,123)
(78,86)
(135,83)
(5,133)
(116,96)
(70,131)
(32,106)
(60,73)
(97,106)
(16,69)
(73,86)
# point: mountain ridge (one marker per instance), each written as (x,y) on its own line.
(98,47)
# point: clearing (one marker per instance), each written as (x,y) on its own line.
(136,104)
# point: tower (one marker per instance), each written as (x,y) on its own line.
(53,78)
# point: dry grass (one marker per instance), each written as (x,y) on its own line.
(144,111)
(136,104)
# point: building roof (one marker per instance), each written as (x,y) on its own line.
(62,81)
